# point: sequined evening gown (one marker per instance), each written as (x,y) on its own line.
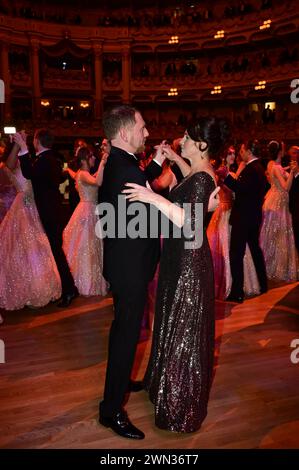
(83,249)
(179,373)
(7,193)
(28,272)
(277,236)
(218,233)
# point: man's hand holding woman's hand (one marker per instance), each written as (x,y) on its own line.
(19,138)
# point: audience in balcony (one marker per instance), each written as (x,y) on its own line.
(149,18)
(240,9)
(252,62)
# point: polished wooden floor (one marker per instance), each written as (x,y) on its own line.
(53,377)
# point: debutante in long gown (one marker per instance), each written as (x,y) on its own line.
(277,236)
(219,232)
(82,247)
(28,272)
(179,373)
(7,193)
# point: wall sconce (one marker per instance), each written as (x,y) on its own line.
(217,89)
(45,103)
(84,104)
(173,40)
(261,85)
(173,92)
(219,34)
(266,24)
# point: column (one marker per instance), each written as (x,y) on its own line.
(98,75)
(36,93)
(5,76)
(126,73)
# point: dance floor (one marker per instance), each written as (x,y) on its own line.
(53,377)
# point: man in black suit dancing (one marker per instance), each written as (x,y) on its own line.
(45,173)
(129,264)
(246,218)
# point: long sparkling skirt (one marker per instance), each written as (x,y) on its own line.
(28,272)
(277,237)
(84,250)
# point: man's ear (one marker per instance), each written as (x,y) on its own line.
(123,134)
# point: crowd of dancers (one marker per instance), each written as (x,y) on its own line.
(251,237)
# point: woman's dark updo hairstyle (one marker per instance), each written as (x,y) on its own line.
(274,148)
(83,155)
(254,146)
(213,131)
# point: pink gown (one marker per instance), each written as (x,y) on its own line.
(82,247)
(218,233)
(7,193)
(277,236)
(28,272)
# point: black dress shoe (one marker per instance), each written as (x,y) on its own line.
(135,386)
(122,426)
(66,299)
(235,298)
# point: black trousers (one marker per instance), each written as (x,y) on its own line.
(54,234)
(295,219)
(241,234)
(129,302)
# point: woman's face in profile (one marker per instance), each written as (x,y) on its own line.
(187,146)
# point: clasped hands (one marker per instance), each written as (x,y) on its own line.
(19,138)
(163,151)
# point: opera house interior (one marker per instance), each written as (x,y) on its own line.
(63,66)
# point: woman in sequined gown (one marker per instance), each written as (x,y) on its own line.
(7,193)
(82,247)
(28,272)
(218,233)
(277,236)
(180,369)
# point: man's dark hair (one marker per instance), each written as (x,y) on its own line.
(116,118)
(45,137)
(254,146)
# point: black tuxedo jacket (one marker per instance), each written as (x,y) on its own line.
(133,259)
(294,199)
(45,174)
(250,189)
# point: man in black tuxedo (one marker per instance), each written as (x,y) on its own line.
(45,173)
(246,218)
(129,263)
(294,196)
